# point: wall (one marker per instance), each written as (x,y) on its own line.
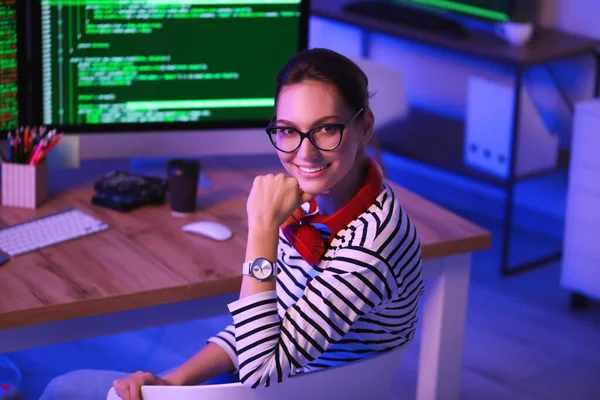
(577,16)
(437,80)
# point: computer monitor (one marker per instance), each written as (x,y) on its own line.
(10,63)
(164,77)
(496,10)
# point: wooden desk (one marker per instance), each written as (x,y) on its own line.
(144,271)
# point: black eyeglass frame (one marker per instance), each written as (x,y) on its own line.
(308,135)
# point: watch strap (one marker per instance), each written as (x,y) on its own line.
(246,268)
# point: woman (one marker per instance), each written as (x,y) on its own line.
(333,264)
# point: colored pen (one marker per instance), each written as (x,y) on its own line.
(47,149)
(9,142)
(37,151)
(26,140)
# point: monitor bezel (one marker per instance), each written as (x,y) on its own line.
(36,92)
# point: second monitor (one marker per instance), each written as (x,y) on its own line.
(493,10)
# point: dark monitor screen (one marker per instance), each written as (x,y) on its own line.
(499,10)
(9,73)
(164,64)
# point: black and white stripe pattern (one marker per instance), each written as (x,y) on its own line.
(360,299)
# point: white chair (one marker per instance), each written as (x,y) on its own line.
(370,378)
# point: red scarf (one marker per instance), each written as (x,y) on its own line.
(307,240)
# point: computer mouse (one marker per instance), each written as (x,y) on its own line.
(213,230)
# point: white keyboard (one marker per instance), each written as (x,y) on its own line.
(46,231)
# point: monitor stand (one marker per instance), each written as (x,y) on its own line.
(408,16)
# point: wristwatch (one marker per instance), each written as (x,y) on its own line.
(261,269)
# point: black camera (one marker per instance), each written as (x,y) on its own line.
(124,191)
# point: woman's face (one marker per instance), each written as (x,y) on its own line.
(304,106)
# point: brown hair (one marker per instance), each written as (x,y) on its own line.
(327,66)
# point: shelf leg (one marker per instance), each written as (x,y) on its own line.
(506,268)
(597,75)
(510,184)
(578,301)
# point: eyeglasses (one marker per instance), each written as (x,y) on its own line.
(326,137)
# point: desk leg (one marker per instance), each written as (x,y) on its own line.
(443,327)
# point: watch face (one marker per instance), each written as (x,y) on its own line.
(261,269)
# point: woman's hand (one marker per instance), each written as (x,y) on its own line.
(129,388)
(272,199)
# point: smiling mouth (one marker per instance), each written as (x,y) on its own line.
(313,170)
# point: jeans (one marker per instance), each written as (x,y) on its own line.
(89,384)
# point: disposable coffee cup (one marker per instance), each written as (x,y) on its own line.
(182,182)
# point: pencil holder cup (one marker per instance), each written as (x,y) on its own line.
(24,185)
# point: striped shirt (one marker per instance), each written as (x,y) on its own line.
(362,298)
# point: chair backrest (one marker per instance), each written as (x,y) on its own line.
(370,378)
